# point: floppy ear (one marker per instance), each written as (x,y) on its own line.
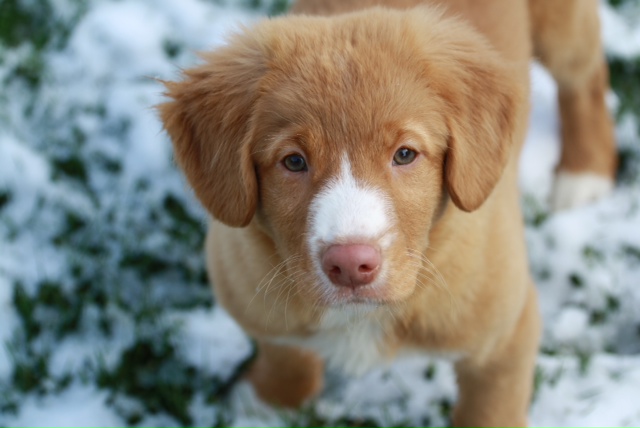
(208,120)
(483,99)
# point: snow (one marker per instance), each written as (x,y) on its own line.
(571,324)
(95,103)
(620,33)
(9,322)
(570,398)
(213,341)
(541,151)
(78,406)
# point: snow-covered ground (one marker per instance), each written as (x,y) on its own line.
(105,316)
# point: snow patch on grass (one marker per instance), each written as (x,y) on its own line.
(77,406)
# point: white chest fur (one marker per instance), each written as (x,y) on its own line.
(349,340)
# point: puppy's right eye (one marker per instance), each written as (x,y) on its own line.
(404,156)
(295,163)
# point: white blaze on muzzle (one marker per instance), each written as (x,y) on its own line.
(345,211)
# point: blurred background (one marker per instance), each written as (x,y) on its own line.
(106,317)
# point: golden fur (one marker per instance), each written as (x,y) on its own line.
(451,80)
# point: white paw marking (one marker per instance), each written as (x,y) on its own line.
(572,190)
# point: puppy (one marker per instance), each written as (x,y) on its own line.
(360,166)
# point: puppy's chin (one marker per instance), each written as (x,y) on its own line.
(380,293)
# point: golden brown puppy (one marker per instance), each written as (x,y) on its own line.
(361,174)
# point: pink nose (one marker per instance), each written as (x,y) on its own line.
(351,265)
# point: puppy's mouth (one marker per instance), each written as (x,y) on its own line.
(363,295)
(378,294)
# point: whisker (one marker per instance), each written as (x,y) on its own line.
(438,279)
(264,282)
(273,305)
(282,285)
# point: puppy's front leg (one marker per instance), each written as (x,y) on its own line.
(497,391)
(286,376)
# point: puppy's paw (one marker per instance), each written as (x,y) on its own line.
(572,190)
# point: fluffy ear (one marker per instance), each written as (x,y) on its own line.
(483,96)
(209,119)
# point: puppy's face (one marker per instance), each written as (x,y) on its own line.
(350,165)
(342,138)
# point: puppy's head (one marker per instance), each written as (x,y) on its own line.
(340,137)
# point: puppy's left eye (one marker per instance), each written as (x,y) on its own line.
(404,156)
(295,163)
